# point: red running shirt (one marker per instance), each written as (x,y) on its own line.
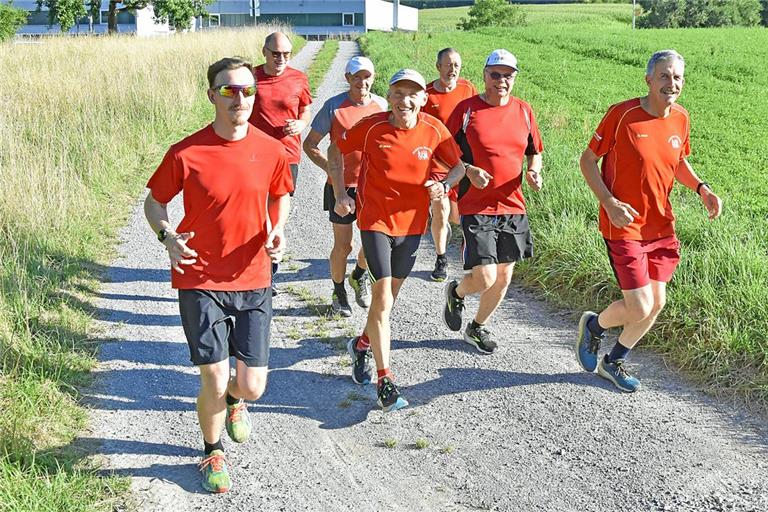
(226,185)
(640,155)
(391,197)
(441,104)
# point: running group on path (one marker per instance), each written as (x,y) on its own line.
(437,150)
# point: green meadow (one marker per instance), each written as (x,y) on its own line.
(575,62)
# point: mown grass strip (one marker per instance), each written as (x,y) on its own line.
(575,62)
(321,64)
(74,160)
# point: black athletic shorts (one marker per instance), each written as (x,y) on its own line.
(329,203)
(494,239)
(295,176)
(389,256)
(222,324)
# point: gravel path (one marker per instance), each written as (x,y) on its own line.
(523,429)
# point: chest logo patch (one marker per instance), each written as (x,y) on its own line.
(385,146)
(675,142)
(422,152)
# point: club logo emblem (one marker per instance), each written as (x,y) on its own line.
(422,152)
(675,142)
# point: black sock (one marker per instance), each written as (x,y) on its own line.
(475,325)
(210,447)
(358,273)
(275,267)
(594,326)
(618,351)
(454,294)
(441,257)
(338,288)
(231,400)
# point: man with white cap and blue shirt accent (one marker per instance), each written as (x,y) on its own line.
(498,134)
(338,114)
(397,181)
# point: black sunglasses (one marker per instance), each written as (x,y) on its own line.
(506,76)
(277,55)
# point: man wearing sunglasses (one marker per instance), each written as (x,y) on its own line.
(338,114)
(498,136)
(397,182)
(442,97)
(236,182)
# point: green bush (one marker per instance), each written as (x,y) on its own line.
(10,20)
(699,13)
(764,13)
(492,13)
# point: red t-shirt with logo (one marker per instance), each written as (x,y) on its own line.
(496,139)
(640,155)
(226,185)
(279,98)
(391,197)
(441,104)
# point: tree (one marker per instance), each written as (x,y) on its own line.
(113,10)
(699,13)
(179,13)
(764,13)
(492,13)
(11,19)
(64,12)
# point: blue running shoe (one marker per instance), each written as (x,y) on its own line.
(389,396)
(616,373)
(361,368)
(587,344)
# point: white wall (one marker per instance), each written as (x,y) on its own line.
(378,16)
(145,23)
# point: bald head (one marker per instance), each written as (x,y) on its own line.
(276,38)
(277,52)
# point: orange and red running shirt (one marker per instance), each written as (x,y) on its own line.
(279,98)
(339,114)
(226,185)
(441,104)
(640,157)
(391,197)
(496,139)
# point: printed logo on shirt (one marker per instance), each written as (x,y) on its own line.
(422,152)
(641,135)
(385,146)
(675,142)
(597,137)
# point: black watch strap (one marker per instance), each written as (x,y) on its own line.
(702,184)
(162,235)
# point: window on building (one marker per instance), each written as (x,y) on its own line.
(348,19)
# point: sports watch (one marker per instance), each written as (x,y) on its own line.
(162,235)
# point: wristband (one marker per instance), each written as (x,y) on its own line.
(702,184)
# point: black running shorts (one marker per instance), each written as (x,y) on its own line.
(222,324)
(295,176)
(389,256)
(494,239)
(329,203)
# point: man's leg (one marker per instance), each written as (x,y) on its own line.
(358,280)
(491,297)
(440,211)
(384,292)
(342,246)
(211,412)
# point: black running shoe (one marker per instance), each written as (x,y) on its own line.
(389,396)
(340,305)
(480,338)
(454,307)
(361,368)
(440,273)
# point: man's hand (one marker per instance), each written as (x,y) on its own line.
(436,189)
(534,180)
(178,252)
(478,177)
(712,203)
(620,214)
(345,205)
(294,126)
(275,244)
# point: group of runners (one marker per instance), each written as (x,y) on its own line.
(438,148)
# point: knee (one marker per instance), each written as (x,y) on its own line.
(252,388)
(486,278)
(214,382)
(381,299)
(639,311)
(342,248)
(658,305)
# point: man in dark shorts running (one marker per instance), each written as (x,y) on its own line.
(397,181)
(497,133)
(236,182)
(442,97)
(644,145)
(336,115)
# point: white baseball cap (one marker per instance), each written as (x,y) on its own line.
(359,63)
(501,58)
(410,75)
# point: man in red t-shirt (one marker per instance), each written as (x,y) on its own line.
(397,180)
(644,144)
(442,97)
(338,114)
(498,134)
(236,182)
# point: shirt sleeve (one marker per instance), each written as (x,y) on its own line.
(353,139)
(687,142)
(605,136)
(322,121)
(305,96)
(456,119)
(282,179)
(535,144)
(168,179)
(447,150)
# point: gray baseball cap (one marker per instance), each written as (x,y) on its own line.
(501,57)
(410,75)
(359,63)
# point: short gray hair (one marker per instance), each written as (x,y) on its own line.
(662,55)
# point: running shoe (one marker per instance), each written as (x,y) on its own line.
(340,305)
(587,344)
(454,307)
(480,338)
(360,287)
(214,472)
(361,368)
(616,373)
(389,396)
(440,273)
(238,422)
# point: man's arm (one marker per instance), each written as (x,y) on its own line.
(533,175)
(687,177)
(296,126)
(620,214)
(313,152)
(175,243)
(278,209)
(344,204)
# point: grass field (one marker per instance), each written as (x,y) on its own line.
(85,122)
(319,66)
(575,62)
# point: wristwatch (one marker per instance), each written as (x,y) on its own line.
(446,186)
(162,235)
